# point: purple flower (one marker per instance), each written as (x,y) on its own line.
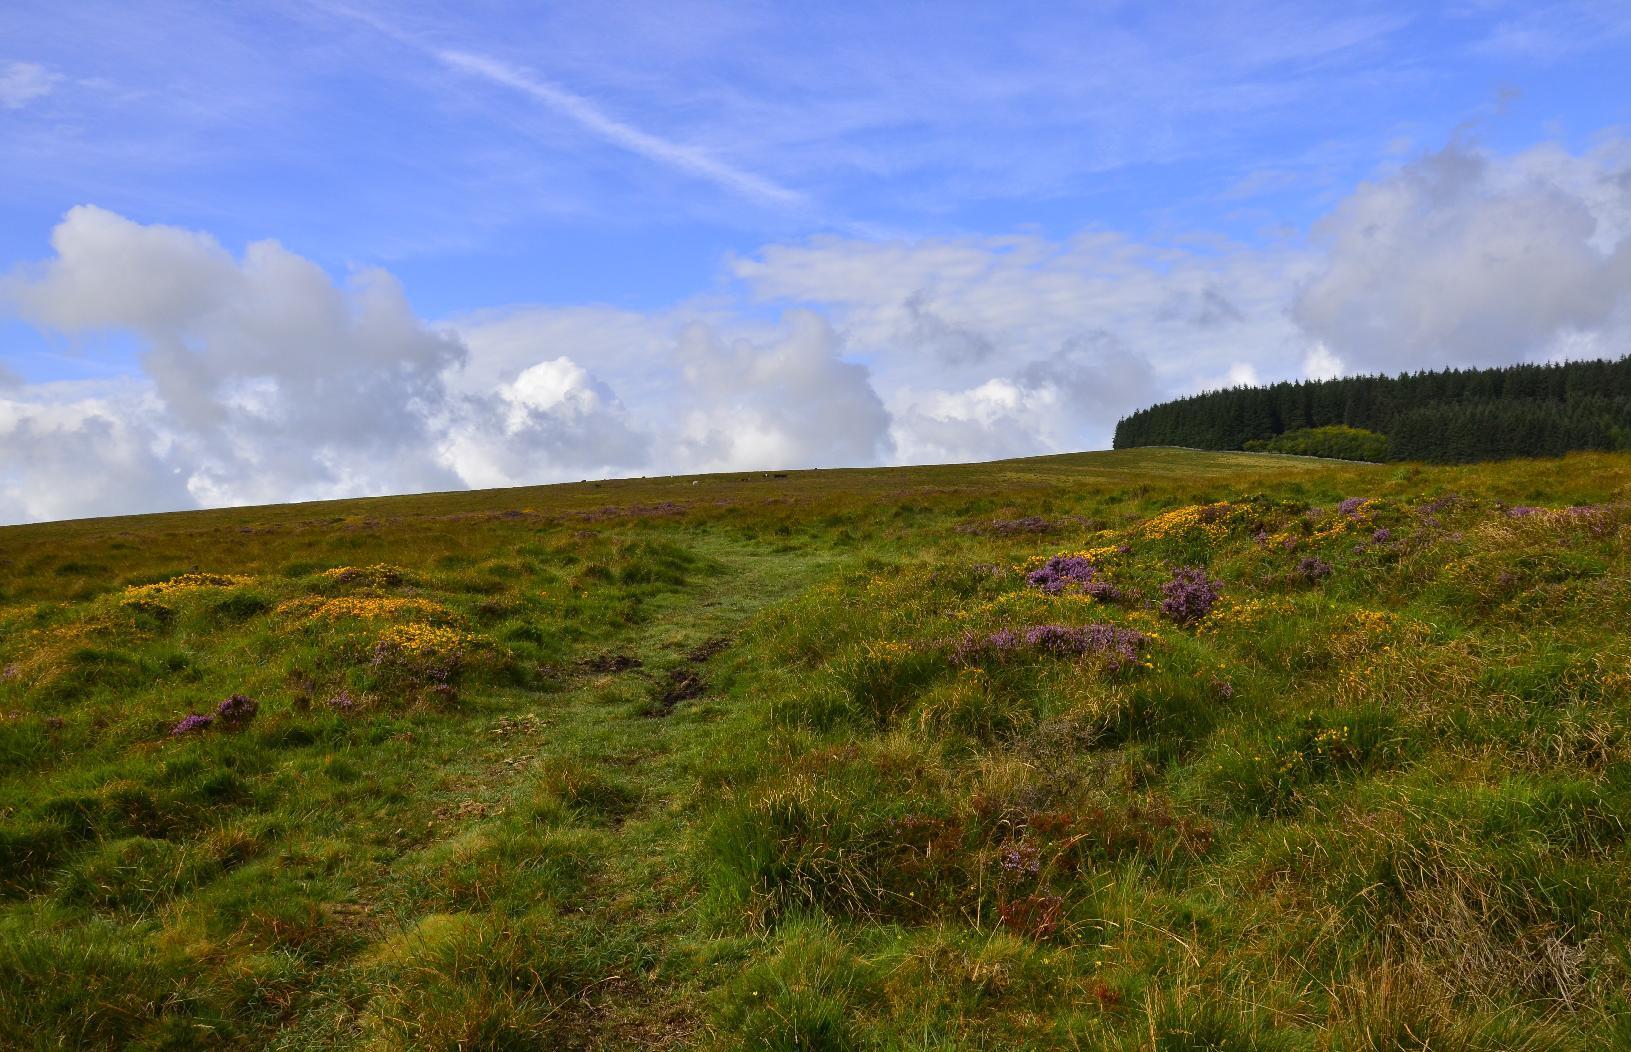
(1119,645)
(1351,506)
(1382,535)
(1312,568)
(1521,511)
(192,724)
(342,702)
(1061,571)
(1189,595)
(1002,639)
(1022,858)
(1055,639)
(236,712)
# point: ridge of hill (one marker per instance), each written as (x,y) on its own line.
(1145,749)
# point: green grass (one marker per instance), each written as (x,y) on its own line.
(721,762)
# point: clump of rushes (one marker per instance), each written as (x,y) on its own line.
(1189,596)
(1071,571)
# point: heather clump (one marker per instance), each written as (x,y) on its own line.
(1075,573)
(193,724)
(1189,596)
(232,714)
(1120,647)
(236,712)
(1311,569)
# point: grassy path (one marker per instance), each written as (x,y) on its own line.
(578,804)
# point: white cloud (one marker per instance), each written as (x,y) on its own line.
(1078,332)
(86,456)
(1320,364)
(280,382)
(23,82)
(264,379)
(791,401)
(554,421)
(998,418)
(1459,259)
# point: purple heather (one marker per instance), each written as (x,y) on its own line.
(1189,595)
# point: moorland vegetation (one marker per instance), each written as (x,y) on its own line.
(1145,749)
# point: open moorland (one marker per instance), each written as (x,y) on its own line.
(1153,749)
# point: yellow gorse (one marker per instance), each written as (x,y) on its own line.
(1210,520)
(379,575)
(186,582)
(1096,556)
(420,640)
(362,608)
(1234,614)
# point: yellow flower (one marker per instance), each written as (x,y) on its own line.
(421,640)
(312,611)
(186,582)
(1210,520)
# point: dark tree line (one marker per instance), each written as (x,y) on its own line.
(1452,415)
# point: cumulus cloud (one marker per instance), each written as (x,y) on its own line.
(282,384)
(263,378)
(989,347)
(83,457)
(990,421)
(1459,260)
(791,401)
(553,415)
(926,330)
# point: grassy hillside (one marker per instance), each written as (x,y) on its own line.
(913,758)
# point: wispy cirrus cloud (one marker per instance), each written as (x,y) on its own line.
(583,112)
(592,119)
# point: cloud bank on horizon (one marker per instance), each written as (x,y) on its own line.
(844,302)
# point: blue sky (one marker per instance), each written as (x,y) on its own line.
(646,168)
